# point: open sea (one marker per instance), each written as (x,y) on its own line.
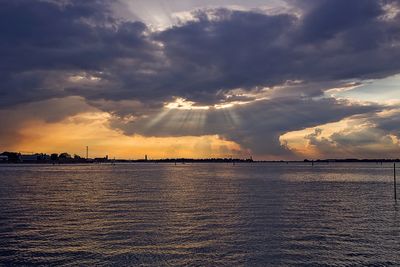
(250,214)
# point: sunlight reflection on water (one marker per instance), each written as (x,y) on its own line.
(198,214)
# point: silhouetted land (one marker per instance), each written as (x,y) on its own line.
(65,158)
(353,160)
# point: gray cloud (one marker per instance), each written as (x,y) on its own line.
(44,42)
(219,51)
(80,48)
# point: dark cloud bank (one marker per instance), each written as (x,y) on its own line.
(79,48)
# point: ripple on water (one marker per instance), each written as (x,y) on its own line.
(198,215)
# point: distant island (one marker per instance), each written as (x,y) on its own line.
(66,158)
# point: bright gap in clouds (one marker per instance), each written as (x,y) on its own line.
(160,14)
(385,90)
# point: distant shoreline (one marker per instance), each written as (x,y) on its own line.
(212,160)
(65,158)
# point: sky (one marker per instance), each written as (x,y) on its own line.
(278,79)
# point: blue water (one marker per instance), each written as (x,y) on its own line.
(199,215)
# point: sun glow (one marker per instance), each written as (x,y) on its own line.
(91,129)
(183,104)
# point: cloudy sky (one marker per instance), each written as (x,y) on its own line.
(275,79)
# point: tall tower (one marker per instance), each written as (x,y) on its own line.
(145,157)
(87,152)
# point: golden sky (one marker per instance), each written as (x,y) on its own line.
(91,129)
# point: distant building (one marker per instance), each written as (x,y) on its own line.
(3,158)
(35,158)
(29,158)
(12,156)
(98,160)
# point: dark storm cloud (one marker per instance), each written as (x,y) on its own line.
(200,60)
(329,18)
(42,41)
(334,40)
(42,35)
(52,49)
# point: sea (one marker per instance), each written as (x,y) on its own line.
(199,214)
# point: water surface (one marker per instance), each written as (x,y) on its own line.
(199,215)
